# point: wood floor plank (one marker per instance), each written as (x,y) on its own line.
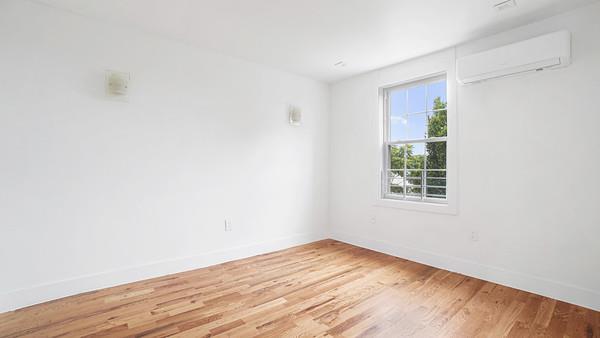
(322,289)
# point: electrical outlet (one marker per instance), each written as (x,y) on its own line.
(228,225)
(474,236)
(373,220)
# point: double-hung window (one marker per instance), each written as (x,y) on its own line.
(415,141)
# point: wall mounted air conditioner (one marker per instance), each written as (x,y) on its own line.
(544,52)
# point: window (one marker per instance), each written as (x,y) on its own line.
(415,138)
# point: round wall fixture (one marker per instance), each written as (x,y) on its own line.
(295,115)
(117,85)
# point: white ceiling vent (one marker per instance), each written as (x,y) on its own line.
(505,4)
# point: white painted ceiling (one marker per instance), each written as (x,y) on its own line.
(308,37)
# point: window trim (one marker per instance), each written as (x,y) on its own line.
(450,205)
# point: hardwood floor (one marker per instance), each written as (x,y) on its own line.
(325,288)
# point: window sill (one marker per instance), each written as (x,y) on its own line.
(437,208)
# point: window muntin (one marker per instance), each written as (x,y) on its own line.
(415,137)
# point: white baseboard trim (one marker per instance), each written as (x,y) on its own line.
(541,286)
(45,292)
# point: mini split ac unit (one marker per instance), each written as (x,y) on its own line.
(544,52)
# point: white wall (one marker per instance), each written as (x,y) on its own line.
(528,157)
(95,192)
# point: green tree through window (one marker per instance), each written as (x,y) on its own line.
(437,126)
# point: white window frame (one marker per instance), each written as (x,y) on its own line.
(444,65)
(385,184)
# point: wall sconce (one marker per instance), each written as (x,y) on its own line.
(295,115)
(117,85)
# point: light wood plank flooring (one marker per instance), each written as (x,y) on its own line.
(322,289)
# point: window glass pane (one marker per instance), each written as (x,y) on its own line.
(397,102)
(436,95)
(395,174)
(396,157)
(397,185)
(417,97)
(416,126)
(398,128)
(436,155)
(415,162)
(436,170)
(437,124)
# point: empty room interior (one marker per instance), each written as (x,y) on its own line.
(316,168)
